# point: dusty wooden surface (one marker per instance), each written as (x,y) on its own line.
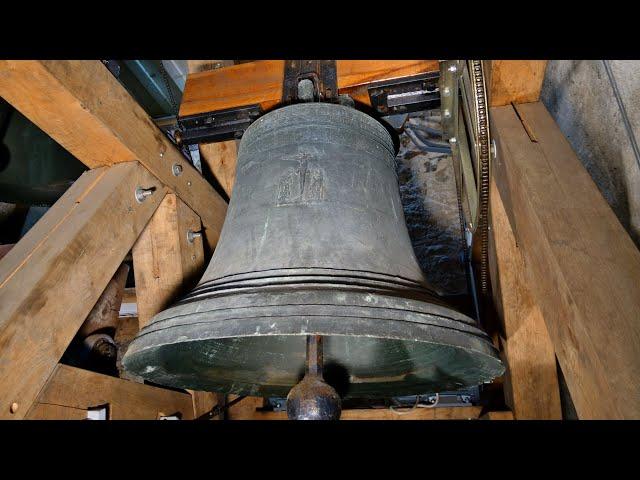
(583,268)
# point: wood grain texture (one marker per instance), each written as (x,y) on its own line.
(515,81)
(221,158)
(260,82)
(84,108)
(583,268)
(165,264)
(72,391)
(52,278)
(531,387)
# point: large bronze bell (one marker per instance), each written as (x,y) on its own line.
(314,243)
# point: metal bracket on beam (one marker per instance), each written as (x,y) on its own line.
(216,126)
(405,95)
(323,74)
(449,75)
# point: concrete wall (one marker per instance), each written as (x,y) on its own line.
(585,102)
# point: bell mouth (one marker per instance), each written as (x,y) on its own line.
(254,343)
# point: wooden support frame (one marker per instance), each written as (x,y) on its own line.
(52,278)
(71,392)
(260,82)
(84,108)
(582,266)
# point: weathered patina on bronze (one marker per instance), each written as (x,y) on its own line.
(314,243)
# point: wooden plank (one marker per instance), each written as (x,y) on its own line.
(72,391)
(260,82)
(583,268)
(502,415)
(515,81)
(220,157)
(249,412)
(84,108)
(165,263)
(52,278)
(531,380)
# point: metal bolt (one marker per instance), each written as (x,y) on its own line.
(176,169)
(453,69)
(189,183)
(14,407)
(191,235)
(217,65)
(453,140)
(446,91)
(143,193)
(446,113)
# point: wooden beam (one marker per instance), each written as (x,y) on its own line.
(52,278)
(531,385)
(582,266)
(260,82)
(220,157)
(247,410)
(515,81)
(167,265)
(71,392)
(84,108)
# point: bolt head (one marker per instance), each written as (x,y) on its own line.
(453,69)
(14,407)
(176,169)
(446,91)
(453,140)
(446,113)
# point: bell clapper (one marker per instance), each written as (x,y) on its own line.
(313,398)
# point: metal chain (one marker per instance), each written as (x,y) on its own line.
(484,142)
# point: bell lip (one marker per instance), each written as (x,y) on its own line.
(154,339)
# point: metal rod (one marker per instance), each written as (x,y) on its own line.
(314,355)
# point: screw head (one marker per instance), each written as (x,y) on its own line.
(189,183)
(446,113)
(14,407)
(176,169)
(453,140)
(453,69)
(446,91)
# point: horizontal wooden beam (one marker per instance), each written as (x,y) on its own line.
(247,409)
(52,278)
(71,392)
(84,108)
(260,82)
(581,265)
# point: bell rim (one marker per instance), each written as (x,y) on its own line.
(438,333)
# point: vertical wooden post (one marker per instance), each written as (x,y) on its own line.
(531,383)
(167,262)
